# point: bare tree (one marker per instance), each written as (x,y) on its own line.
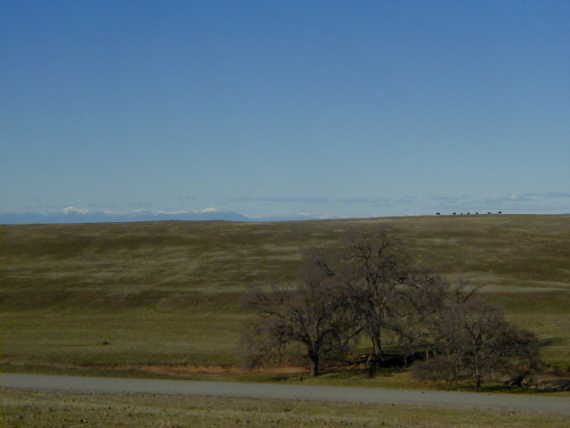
(423,299)
(370,268)
(475,341)
(311,314)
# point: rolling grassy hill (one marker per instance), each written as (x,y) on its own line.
(125,295)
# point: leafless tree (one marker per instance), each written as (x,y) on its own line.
(370,268)
(423,299)
(475,341)
(310,313)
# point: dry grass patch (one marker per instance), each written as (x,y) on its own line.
(27,409)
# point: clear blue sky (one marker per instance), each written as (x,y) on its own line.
(332,108)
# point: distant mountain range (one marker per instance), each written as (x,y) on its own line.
(75,215)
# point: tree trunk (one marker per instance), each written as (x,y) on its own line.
(376,357)
(315,360)
(478,376)
(315,370)
(372,364)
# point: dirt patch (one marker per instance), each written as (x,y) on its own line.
(215,370)
(183,370)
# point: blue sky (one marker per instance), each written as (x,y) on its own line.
(328,108)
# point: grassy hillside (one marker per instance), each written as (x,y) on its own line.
(167,293)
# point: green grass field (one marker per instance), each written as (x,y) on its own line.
(131,295)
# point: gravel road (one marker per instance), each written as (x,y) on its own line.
(529,403)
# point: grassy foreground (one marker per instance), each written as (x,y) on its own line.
(166,295)
(27,409)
